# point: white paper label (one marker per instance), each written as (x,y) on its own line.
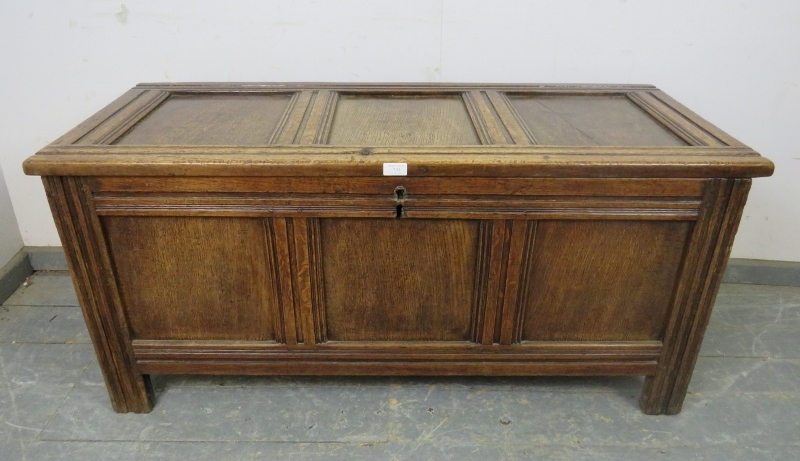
(395,169)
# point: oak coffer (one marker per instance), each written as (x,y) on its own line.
(360,229)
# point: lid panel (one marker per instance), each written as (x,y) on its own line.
(378,120)
(580,120)
(211,119)
(439,130)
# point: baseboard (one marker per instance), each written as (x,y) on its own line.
(759,272)
(750,271)
(14,273)
(47,258)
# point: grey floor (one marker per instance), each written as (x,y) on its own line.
(743,403)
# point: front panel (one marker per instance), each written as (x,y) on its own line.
(190,278)
(602,280)
(398,280)
(323,269)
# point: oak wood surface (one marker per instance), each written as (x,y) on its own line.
(210,120)
(92,122)
(541,229)
(491,129)
(486,161)
(644,132)
(590,120)
(579,290)
(316,123)
(129,390)
(384,186)
(402,121)
(201,297)
(384,279)
(127,116)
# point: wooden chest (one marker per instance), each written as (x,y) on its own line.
(397,230)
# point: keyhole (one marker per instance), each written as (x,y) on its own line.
(400,195)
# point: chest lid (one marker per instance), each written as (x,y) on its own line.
(437,130)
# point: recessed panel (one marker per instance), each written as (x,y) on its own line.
(602,280)
(398,279)
(402,121)
(207,119)
(604,120)
(193,278)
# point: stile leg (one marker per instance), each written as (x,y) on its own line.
(664,392)
(660,395)
(91,269)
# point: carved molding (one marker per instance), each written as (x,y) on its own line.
(673,120)
(298,275)
(485,120)
(418,206)
(317,122)
(479,296)
(287,127)
(317,280)
(125,118)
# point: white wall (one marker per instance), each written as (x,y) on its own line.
(736,62)
(10,239)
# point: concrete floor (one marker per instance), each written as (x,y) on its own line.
(743,403)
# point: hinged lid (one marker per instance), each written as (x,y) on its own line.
(437,130)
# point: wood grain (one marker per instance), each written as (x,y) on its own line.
(590,120)
(210,119)
(124,118)
(482,332)
(316,123)
(464,161)
(496,268)
(707,255)
(602,281)
(300,250)
(402,121)
(516,128)
(289,126)
(736,198)
(128,388)
(440,358)
(676,122)
(485,119)
(384,186)
(281,231)
(296,365)
(694,118)
(384,279)
(98,118)
(185,255)
(523,233)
